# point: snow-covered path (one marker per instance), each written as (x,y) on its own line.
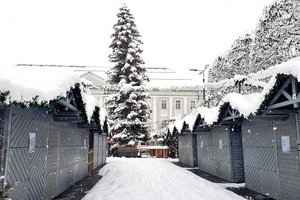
(153,179)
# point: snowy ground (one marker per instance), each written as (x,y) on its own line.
(149,179)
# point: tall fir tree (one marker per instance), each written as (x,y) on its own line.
(128,109)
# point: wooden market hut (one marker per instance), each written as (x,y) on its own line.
(220,150)
(271,142)
(44,148)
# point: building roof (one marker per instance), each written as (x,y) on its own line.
(160,77)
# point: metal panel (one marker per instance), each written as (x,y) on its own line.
(260,156)
(25,121)
(186,149)
(50,188)
(252,178)
(104,149)
(59,160)
(220,153)
(288,163)
(222,157)
(101,149)
(22,167)
(96,149)
(5,126)
(237,156)
(206,160)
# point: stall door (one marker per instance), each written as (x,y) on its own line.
(260,157)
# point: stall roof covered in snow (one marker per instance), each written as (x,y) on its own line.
(46,83)
(246,104)
(160,77)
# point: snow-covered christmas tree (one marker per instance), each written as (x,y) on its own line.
(128,109)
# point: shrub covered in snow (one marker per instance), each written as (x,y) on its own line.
(276,39)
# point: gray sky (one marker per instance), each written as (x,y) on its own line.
(179,34)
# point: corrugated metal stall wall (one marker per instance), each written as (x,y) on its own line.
(59,158)
(288,163)
(228,152)
(187,149)
(205,148)
(67,157)
(260,157)
(27,171)
(268,169)
(4,114)
(220,153)
(99,150)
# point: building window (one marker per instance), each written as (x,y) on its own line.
(192,104)
(177,104)
(163,104)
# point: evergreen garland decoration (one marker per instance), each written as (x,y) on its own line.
(185,127)
(105,127)
(3,96)
(4,195)
(197,123)
(51,106)
(96,117)
(79,102)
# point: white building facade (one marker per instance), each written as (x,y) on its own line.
(165,104)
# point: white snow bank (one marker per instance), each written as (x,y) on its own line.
(210,115)
(148,179)
(171,127)
(245,104)
(292,67)
(179,124)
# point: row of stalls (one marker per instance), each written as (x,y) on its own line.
(46,130)
(252,138)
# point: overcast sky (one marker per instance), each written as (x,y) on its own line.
(178,34)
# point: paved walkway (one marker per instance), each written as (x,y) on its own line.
(81,188)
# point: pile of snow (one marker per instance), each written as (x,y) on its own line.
(159,179)
(27,82)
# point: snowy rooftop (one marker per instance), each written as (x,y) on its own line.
(246,104)
(48,83)
(160,77)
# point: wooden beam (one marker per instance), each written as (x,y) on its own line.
(285,85)
(295,91)
(287,95)
(67,105)
(231,117)
(230,112)
(285,103)
(278,112)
